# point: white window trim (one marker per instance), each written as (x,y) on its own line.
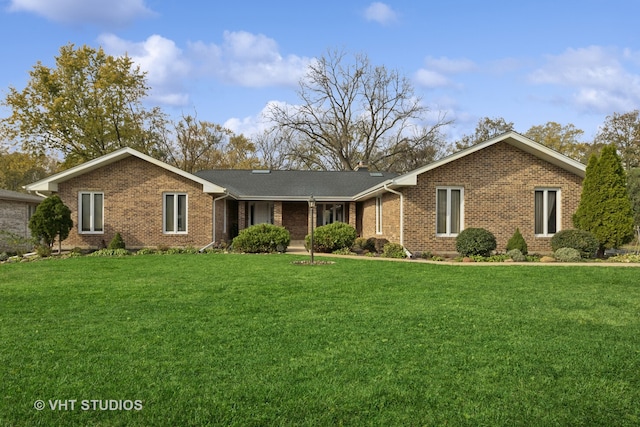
(175,213)
(379,215)
(91,212)
(448,222)
(545,200)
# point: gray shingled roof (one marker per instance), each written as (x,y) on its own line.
(256,185)
(21,197)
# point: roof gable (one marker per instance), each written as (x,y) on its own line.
(50,184)
(513,138)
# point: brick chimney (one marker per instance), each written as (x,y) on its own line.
(362,166)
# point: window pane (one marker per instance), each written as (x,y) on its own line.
(339,214)
(539,214)
(168,212)
(551,212)
(441,214)
(97,212)
(182,212)
(455,211)
(85,211)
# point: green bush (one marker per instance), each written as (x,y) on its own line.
(516,255)
(517,242)
(365,244)
(475,241)
(567,255)
(262,238)
(116,242)
(43,250)
(584,241)
(110,252)
(146,251)
(331,237)
(393,250)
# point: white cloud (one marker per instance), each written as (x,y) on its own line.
(161,59)
(247,59)
(380,13)
(600,79)
(436,71)
(99,12)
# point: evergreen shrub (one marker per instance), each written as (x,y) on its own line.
(567,255)
(475,241)
(116,242)
(517,242)
(584,241)
(332,237)
(262,238)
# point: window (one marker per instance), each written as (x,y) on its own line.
(91,213)
(329,213)
(449,210)
(379,215)
(547,213)
(261,213)
(175,213)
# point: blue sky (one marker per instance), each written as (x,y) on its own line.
(529,62)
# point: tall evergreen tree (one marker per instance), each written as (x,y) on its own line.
(605,208)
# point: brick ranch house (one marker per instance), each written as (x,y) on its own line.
(502,184)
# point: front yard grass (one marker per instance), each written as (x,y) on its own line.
(224,339)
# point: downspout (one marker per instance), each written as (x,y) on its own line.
(401,217)
(224,196)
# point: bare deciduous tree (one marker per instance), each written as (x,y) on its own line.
(354,112)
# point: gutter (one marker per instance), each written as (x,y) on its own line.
(224,196)
(386,188)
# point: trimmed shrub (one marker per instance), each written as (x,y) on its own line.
(116,242)
(331,237)
(262,238)
(584,241)
(379,244)
(567,255)
(516,255)
(393,250)
(475,241)
(365,244)
(517,242)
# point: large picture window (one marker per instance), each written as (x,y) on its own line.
(175,213)
(449,210)
(547,213)
(91,212)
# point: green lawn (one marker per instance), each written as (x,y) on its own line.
(256,340)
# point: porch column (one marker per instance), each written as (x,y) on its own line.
(242,216)
(352,214)
(311,217)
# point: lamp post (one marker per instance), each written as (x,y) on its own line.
(312,206)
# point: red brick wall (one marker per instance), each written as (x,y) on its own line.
(133,197)
(499,184)
(294,219)
(390,218)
